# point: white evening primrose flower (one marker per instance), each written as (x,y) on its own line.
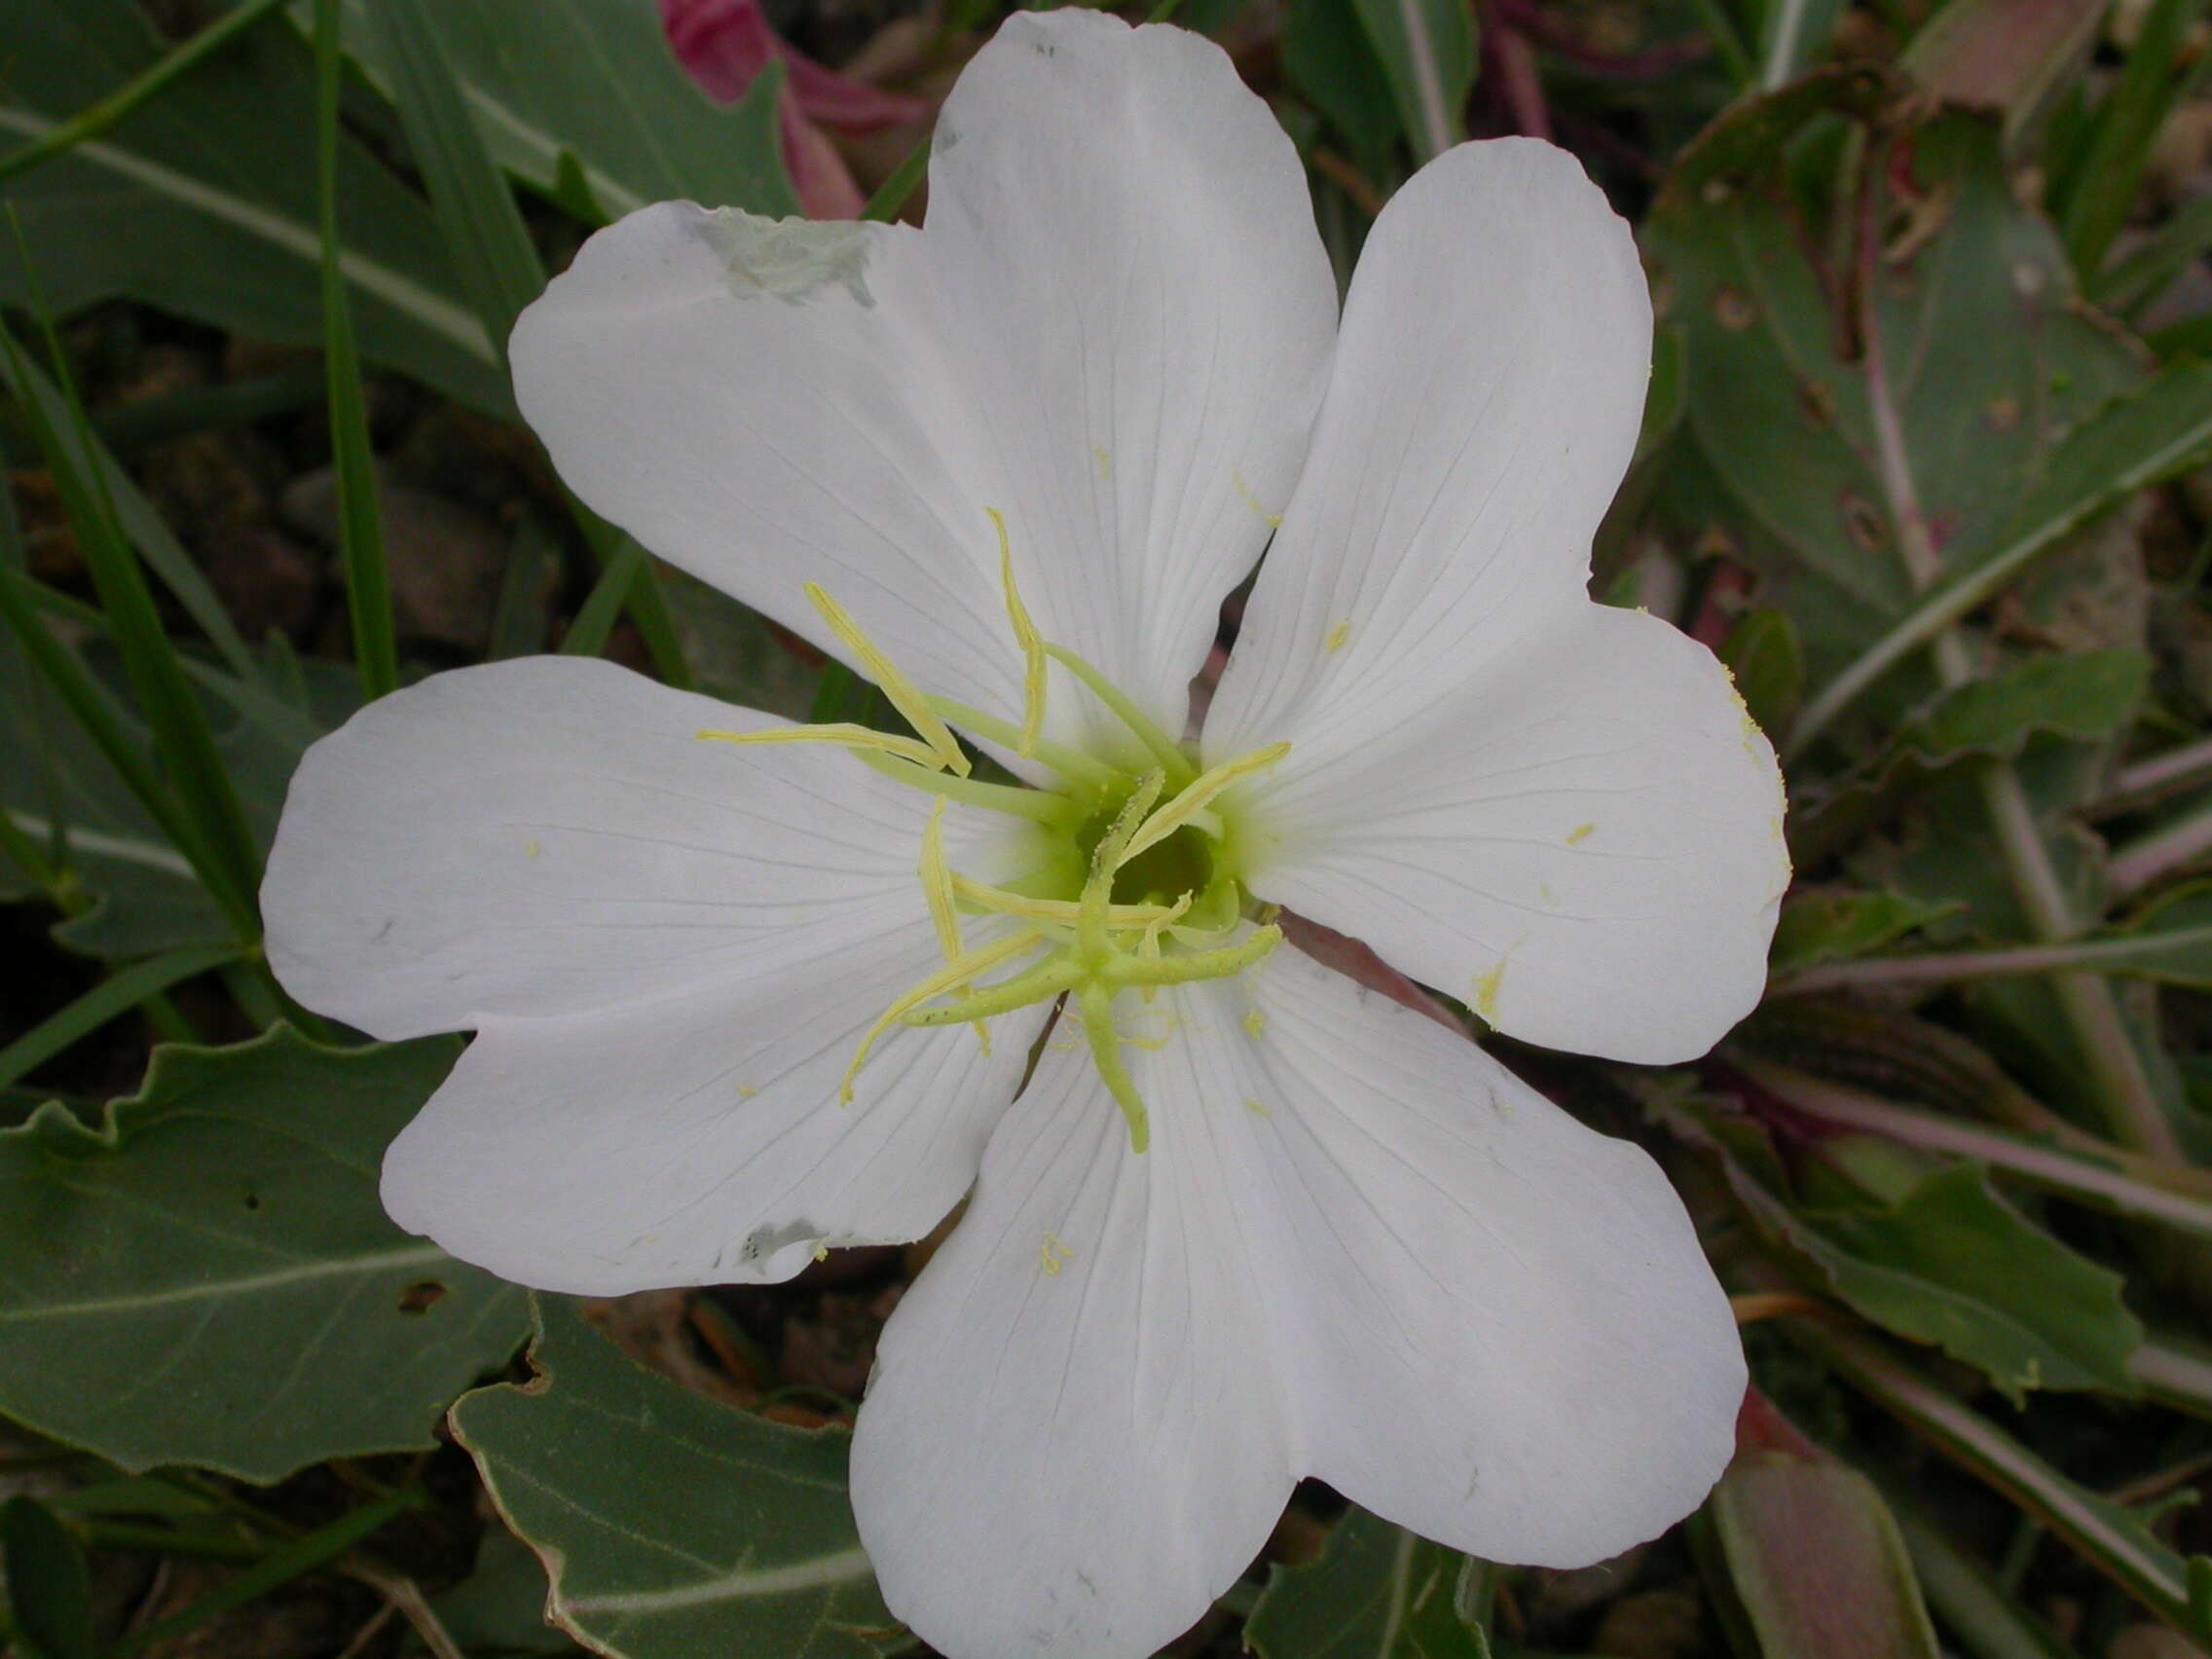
(731,978)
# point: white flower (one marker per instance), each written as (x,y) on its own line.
(1264,1224)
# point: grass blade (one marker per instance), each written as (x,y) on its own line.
(587,634)
(135,515)
(500,267)
(280,1566)
(895,192)
(2101,192)
(112,110)
(222,849)
(519,618)
(360,529)
(90,703)
(647,602)
(475,206)
(109,1000)
(2114,1541)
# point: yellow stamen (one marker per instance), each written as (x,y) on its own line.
(1066,912)
(1197,795)
(840,734)
(1031,641)
(948,978)
(937,888)
(902,692)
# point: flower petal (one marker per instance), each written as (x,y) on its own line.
(699,1139)
(549,837)
(1074,1438)
(1148,314)
(1485,395)
(1112,332)
(1357,1248)
(1503,1330)
(1584,843)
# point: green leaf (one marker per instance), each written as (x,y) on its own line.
(144,528)
(2082,695)
(1427,52)
(739,659)
(1814,1555)
(50,773)
(2077,697)
(48,1591)
(586,94)
(671,1526)
(475,207)
(2172,940)
(1992,361)
(1833,925)
(2098,195)
(204,201)
(501,1604)
(2118,1542)
(1377,1592)
(1762,651)
(1793,35)
(108,1000)
(207,1277)
(1946,1262)
(1952,1264)
(2003,54)
(1327,57)
(2145,436)
(208,819)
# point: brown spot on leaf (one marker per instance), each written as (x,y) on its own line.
(1861,523)
(1734,310)
(422,1296)
(1817,401)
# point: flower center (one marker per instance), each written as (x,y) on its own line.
(1160,874)
(1137,888)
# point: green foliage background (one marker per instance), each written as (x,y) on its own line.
(1924,459)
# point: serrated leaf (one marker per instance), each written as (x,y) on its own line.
(207,1277)
(584,101)
(1814,1555)
(500,1605)
(1377,1592)
(671,1526)
(202,202)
